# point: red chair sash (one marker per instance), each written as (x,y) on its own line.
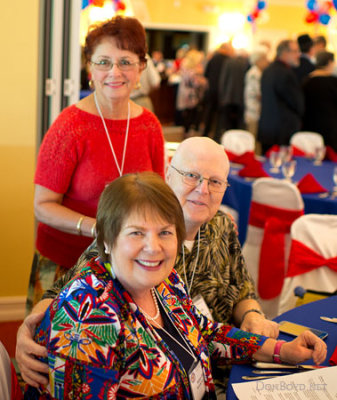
(276,223)
(303,259)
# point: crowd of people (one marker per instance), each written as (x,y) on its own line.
(138,285)
(272,99)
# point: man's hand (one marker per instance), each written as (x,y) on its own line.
(257,323)
(32,371)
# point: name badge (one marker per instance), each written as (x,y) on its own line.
(201,305)
(197,382)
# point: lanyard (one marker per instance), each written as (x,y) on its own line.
(189,285)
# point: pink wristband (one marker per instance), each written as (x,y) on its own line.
(277,351)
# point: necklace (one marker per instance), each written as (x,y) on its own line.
(120,169)
(147,316)
(189,286)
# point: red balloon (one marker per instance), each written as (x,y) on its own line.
(256,13)
(120,6)
(311,17)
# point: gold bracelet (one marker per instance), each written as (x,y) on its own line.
(93,230)
(78,226)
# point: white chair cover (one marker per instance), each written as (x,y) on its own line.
(307,141)
(319,233)
(238,141)
(278,194)
(5,374)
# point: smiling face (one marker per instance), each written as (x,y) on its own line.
(208,159)
(114,84)
(144,253)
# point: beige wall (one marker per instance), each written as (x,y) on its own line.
(18,72)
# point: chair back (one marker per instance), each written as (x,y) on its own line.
(238,141)
(9,385)
(307,141)
(275,205)
(313,257)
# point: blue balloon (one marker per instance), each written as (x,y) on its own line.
(262,4)
(335,3)
(250,18)
(324,19)
(311,4)
(85,4)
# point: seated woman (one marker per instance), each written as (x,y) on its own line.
(125,327)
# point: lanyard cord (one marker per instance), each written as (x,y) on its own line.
(120,169)
(187,348)
(189,286)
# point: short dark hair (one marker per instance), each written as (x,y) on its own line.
(305,43)
(140,192)
(323,58)
(128,32)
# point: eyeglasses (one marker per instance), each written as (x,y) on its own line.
(194,179)
(106,65)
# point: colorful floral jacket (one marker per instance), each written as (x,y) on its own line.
(100,346)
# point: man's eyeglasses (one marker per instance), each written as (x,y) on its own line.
(194,179)
(106,65)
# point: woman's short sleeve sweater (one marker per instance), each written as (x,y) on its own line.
(75,159)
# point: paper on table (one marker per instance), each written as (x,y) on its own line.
(317,384)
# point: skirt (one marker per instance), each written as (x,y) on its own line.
(42,277)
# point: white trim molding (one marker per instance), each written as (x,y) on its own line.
(12,308)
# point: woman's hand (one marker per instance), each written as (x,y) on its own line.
(304,347)
(32,370)
(256,323)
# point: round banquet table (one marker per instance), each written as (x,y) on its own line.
(308,315)
(238,195)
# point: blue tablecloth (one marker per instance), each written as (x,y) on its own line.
(238,195)
(307,315)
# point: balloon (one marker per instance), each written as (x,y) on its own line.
(85,4)
(261,5)
(312,16)
(120,6)
(256,13)
(250,18)
(335,3)
(311,5)
(324,19)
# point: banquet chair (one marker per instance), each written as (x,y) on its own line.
(238,141)
(307,141)
(275,205)
(9,385)
(313,257)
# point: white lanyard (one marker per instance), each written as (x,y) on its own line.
(120,169)
(189,286)
(187,348)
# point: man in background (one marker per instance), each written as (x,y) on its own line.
(282,103)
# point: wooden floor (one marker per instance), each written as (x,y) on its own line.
(8,335)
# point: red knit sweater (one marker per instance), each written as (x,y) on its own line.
(75,159)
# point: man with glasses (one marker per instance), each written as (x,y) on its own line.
(210,261)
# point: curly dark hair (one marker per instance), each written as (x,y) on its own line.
(128,32)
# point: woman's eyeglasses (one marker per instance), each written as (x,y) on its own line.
(106,65)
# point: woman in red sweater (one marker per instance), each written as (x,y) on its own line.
(91,143)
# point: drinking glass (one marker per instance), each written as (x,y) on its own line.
(319,155)
(288,169)
(334,178)
(275,161)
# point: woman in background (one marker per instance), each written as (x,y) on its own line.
(125,327)
(191,90)
(91,143)
(320,90)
